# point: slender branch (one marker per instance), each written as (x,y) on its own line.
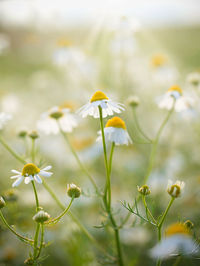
(147,210)
(30,241)
(41,240)
(36,240)
(36,196)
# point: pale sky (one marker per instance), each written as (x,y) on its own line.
(59,13)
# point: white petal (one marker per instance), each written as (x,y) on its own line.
(47,168)
(38,179)
(45,174)
(15,172)
(18,181)
(28,179)
(15,176)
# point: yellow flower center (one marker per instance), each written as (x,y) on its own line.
(158,60)
(116,122)
(176,88)
(64,43)
(177,228)
(98,96)
(174,190)
(30,169)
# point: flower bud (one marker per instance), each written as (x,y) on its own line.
(189,224)
(144,190)
(2,203)
(175,189)
(73,191)
(10,195)
(194,78)
(22,133)
(33,135)
(41,217)
(133,101)
(29,261)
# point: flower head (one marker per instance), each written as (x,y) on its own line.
(115,131)
(158,60)
(30,172)
(174,97)
(194,79)
(48,123)
(73,191)
(175,189)
(100,99)
(41,217)
(144,190)
(178,241)
(4,118)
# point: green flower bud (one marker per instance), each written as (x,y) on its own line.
(33,135)
(144,190)
(189,224)
(41,217)
(22,133)
(2,203)
(133,101)
(73,191)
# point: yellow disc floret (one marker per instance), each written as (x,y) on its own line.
(98,96)
(176,88)
(30,169)
(62,42)
(116,122)
(177,228)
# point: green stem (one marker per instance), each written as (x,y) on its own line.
(36,240)
(13,231)
(36,196)
(177,261)
(147,209)
(111,157)
(33,151)
(107,186)
(78,160)
(8,148)
(138,126)
(41,240)
(55,220)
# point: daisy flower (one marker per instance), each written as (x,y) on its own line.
(194,79)
(175,189)
(178,241)
(115,131)
(175,93)
(4,118)
(100,99)
(30,172)
(48,123)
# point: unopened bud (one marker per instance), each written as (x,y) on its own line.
(41,217)
(33,135)
(133,101)
(175,189)
(189,224)
(2,203)
(144,190)
(22,133)
(73,191)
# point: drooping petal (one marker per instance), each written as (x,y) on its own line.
(18,181)
(38,179)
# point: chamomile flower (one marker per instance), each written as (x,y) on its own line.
(178,241)
(115,131)
(30,172)
(175,189)
(4,118)
(181,103)
(48,123)
(108,106)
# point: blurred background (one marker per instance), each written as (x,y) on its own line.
(59,53)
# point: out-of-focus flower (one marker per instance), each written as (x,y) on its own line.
(158,60)
(133,101)
(178,241)
(30,172)
(73,191)
(194,79)
(108,106)
(115,131)
(175,93)
(48,123)
(10,103)
(175,189)
(144,190)
(33,134)
(4,42)
(4,118)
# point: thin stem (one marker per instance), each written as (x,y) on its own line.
(177,261)
(111,157)
(36,240)
(13,231)
(14,154)
(78,159)
(55,220)
(41,240)
(33,150)
(165,214)
(138,126)
(107,186)
(36,196)
(147,209)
